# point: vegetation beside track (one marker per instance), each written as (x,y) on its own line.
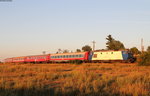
(74,80)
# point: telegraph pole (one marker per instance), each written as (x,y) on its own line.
(93,45)
(142,47)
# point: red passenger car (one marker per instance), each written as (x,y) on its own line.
(37,58)
(8,60)
(64,57)
(19,59)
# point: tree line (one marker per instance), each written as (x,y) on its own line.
(111,44)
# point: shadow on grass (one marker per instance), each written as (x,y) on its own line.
(51,92)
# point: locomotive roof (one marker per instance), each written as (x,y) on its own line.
(108,50)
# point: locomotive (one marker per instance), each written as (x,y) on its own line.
(93,56)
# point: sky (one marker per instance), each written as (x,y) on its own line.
(29,27)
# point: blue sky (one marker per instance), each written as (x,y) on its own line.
(31,26)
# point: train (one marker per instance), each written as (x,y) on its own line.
(92,56)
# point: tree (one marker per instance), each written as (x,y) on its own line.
(134,50)
(59,51)
(78,50)
(86,48)
(66,51)
(148,49)
(113,44)
(144,59)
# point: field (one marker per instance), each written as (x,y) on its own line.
(74,80)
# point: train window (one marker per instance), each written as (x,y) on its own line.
(72,56)
(77,56)
(66,56)
(95,55)
(124,52)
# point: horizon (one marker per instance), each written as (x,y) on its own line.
(29,27)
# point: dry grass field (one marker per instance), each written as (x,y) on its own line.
(74,80)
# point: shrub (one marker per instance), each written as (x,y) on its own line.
(144,59)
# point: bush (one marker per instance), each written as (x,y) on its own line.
(144,59)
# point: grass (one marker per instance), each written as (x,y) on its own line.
(74,80)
